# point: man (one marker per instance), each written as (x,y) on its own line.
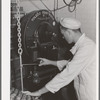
(81,69)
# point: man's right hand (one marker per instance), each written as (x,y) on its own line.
(44,61)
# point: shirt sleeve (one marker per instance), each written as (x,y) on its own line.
(61,64)
(81,60)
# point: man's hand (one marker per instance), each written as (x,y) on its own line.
(35,94)
(44,61)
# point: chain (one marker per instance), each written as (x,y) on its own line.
(20,51)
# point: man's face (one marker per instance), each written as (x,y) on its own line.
(66,34)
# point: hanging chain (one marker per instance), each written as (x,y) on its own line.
(20,51)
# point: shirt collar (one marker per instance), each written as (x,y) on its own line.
(80,39)
(77,44)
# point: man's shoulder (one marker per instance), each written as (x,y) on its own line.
(88,46)
(88,41)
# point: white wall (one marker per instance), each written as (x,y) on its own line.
(85,12)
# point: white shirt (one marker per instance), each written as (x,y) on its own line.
(81,69)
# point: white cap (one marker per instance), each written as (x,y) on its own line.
(70,23)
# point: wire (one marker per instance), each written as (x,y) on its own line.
(69,6)
(61,8)
(34,4)
(73,4)
(54,7)
(66,3)
(79,1)
(57,4)
(45,6)
(57,11)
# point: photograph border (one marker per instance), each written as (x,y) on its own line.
(5,48)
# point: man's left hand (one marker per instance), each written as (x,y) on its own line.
(35,94)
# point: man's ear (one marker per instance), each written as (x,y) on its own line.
(69,31)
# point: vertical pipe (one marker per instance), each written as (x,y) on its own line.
(54,7)
(21,71)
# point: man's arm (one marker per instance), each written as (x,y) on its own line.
(37,93)
(44,61)
(60,64)
(80,61)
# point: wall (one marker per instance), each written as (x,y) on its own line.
(85,12)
